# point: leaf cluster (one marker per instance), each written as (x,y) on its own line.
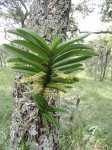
(47,66)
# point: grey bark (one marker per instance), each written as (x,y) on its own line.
(49,18)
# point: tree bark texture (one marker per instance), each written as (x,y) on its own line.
(48,18)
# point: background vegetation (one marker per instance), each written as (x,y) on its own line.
(88,125)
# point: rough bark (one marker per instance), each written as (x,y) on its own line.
(49,18)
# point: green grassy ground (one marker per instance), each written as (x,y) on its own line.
(92,122)
(92,119)
(6,86)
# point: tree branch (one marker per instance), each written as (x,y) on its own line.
(25,15)
(96,32)
(23,4)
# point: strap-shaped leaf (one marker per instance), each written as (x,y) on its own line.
(45,103)
(75,47)
(26,69)
(36,37)
(33,47)
(70,61)
(56,43)
(72,70)
(51,118)
(29,68)
(22,144)
(45,122)
(15,32)
(67,43)
(16,60)
(66,67)
(39,102)
(73,53)
(29,57)
(27,37)
(30,73)
(19,61)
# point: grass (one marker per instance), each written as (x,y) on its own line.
(6,104)
(90,125)
(92,119)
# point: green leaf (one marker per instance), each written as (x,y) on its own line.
(22,144)
(25,36)
(33,47)
(56,42)
(26,56)
(70,61)
(74,53)
(15,60)
(72,70)
(67,43)
(28,36)
(39,102)
(51,119)
(57,109)
(45,122)
(70,66)
(31,73)
(35,36)
(29,68)
(15,32)
(20,61)
(45,103)
(75,47)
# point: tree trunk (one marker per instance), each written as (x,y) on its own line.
(104,66)
(110,69)
(95,73)
(101,65)
(49,18)
(1,63)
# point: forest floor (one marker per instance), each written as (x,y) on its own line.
(90,127)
